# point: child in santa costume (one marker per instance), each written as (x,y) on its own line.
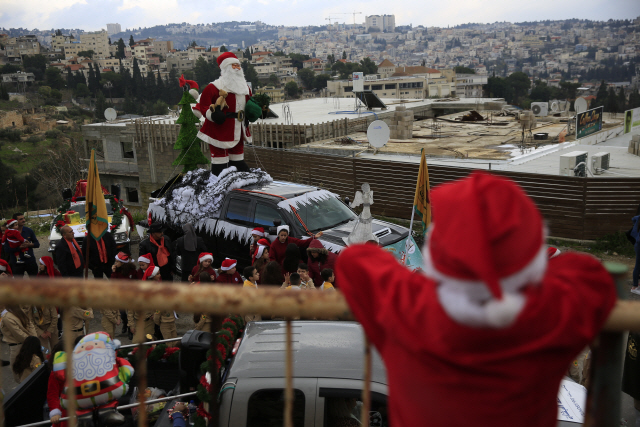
(279,245)
(257,235)
(222,103)
(205,260)
(228,273)
(47,268)
(485,334)
(5,269)
(123,267)
(100,379)
(15,240)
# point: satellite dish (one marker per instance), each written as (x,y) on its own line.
(110,114)
(580,105)
(378,133)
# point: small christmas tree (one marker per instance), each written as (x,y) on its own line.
(191,155)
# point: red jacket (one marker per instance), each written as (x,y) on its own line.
(14,238)
(315,266)
(54,391)
(448,373)
(196,276)
(232,279)
(119,276)
(56,273)
(228,134)
(277,249)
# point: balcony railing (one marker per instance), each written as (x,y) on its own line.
(603,401)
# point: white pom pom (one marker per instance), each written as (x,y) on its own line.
(194,93)
(502,313)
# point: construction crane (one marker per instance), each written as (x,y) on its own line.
(354,13)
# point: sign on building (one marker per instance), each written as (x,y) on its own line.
(631,120)
(589,122)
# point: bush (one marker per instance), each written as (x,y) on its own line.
(616,242)
(34,139)
(10,134)
(52,134)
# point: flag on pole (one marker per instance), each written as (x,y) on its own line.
(421,202)
(95,206)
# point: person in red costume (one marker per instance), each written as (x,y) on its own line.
(319,258)
(47,268)
(228,273)
(279,245)
(5,269)
(205,260)
(487,330)
(222,103)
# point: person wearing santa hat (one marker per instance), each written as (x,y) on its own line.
(5,269)
(228,273)
(257,234)
(261,256)
(47,269)
(204,266)
(123,267)
(144,261)
(487,330)
(279,245)
(222,103)
(15,241)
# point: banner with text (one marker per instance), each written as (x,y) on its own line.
(631,120)
(589,122)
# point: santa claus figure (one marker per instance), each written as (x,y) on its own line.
(100,379)
(226,128)
(486,332)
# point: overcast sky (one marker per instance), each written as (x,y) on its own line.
(95,14)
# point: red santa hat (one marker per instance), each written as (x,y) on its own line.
(108,341)
(47,261)
(553,252)
(11,222)
(227,58)
(228,264)
(5,268)
(124,258)
(151,271)
(205,256)
(485,244)
(258,231)
(145,258)
(262,245)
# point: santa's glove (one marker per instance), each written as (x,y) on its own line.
(217,115)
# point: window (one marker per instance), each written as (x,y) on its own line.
(132,195)
(265,215)
(342,405)
(366,87)
(266,408)
(348,89)
(393,86)
(127,150)
(239,211)
(96,145)
(376,87)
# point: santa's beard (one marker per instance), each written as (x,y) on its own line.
(233,80)
(88,365)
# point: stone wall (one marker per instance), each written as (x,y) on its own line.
(401,126)
(11,119)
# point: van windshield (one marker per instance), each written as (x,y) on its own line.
(324,214)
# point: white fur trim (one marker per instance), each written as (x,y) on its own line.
(256,232)
(219,160)
(144,259)
(556,253)
(229,267)
(155,272)
(41,262)
(225,145)
(282,227)
(229,61)
(116,344)
(471,303)
(194,93)
(236,157)
(206,257)
(3,268)
(123,260)
(55,412)
(208,116)
(260,251)
(197,113)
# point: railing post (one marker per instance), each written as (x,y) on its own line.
(68,339)
(288,372)
(141,370)
(214,409)
(366,389)
(605,378)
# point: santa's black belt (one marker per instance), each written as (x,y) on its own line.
(91,387)
(239,115)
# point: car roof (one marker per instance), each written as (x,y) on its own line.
(321,349)
(279,189)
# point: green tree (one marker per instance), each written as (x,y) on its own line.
(568,90)
(93,83)
(540,92)
(520,84)
(159,108)
(87,53)
(120,54)
(129,106)
(601,96)
(35,61)
(306,77)
(344,54)
(297,60)
(320,81)
(138,84)
(131,41)
(223,48)
(368,66)
(463,70)
(101,105)
(205,71)
(4,94)
(612,105)
(53,78)
(622,99)
(190,155)
(81,90)
(96,71)
(273,80)
(373,30)
(291,89)
(634,100)
(250,74)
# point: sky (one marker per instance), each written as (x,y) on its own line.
(92,15)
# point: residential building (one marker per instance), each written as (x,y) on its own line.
(97,41)
(316,64)
(386,68)
(470,85)
(384,23)
(113,29)
(17,47)
(275,93)
(390,87)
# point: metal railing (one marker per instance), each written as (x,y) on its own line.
(603,401)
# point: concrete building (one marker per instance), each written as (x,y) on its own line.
(384,23)
(275,93)
(97,41)
(316,64)
(386,68)
(470,85)
(390,87)
(113,29)
(17,47)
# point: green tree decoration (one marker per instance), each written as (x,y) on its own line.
(191,155)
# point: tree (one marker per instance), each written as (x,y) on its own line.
(373,30)
(205,71)
(131,41)
(320,81)
(81,90)
(101,105)
(62,167)
(601,96)
(463,70)
(622,99)
(93,83)
(344,54)
(159,108)
(223,48)
(190,155)
(368,66)
(120,54)
(4,94)
(306,77)
(612,105)
(53,78)
(520,83)
(297,60)
(58,33)
(273,80)
(540,93)
(250,74)
(96,71)
(291,89)
(87,53)
(35,61)
(138,84)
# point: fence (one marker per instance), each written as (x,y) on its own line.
(576,208)
(603,402)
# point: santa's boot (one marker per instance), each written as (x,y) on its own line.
(85,420)
(240,165)
(110,417)
(216,168)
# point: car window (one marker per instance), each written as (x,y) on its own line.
(265,215)
(80,208)
(266,408)
(343,407)
(239,211)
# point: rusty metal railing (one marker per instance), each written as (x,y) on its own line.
(220,300)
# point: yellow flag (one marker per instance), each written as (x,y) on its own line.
(95,207)
(421,202)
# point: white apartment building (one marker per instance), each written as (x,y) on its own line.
(470,85)
(382,22)
(97,41)
(113,29)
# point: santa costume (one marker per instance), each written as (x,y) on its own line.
(227,265)
(278,249)
(49,271)
(5,268)
(15,239)
(225,128)
(195,272)
(258,249)
(485,334)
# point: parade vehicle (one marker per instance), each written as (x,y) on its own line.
(305,209)
(72,213)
